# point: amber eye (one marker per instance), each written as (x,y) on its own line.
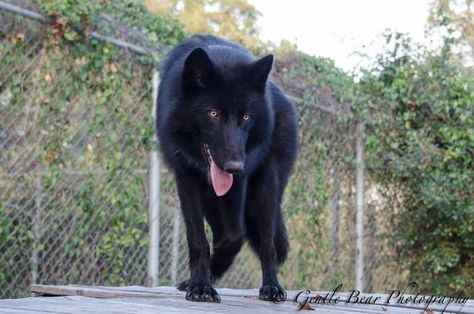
(246,117)
(213,113)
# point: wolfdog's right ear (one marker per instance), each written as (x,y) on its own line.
(198,69)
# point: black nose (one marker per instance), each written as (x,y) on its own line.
(233,167)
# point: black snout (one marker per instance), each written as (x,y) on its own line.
(233,166)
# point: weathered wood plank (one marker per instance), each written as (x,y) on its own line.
(95,292)
(80,305)
(88,299)
(173,293)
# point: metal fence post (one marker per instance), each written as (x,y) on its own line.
(335,198)
(359,263)
(154,203)
(36,229)
(175,247)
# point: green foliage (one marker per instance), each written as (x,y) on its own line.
(74,97)
(75,19)
(419,140)
(419,106)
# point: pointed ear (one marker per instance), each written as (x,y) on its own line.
(198,69)
(260,69)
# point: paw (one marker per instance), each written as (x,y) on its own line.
(202,292)
(183,285)
(272,293)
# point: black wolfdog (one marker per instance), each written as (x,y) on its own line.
(230,137)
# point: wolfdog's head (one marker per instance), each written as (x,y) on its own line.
(224,99)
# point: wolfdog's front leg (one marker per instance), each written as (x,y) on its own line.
(199,287)
(266,227)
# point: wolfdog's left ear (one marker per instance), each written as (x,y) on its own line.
(260,69)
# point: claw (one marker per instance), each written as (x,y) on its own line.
(202,293)
(272,293)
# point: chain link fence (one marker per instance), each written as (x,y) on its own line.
(75,167)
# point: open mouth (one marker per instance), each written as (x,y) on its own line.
(221,180)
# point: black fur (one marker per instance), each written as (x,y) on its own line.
(204,74)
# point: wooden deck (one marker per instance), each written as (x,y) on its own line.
(87,299)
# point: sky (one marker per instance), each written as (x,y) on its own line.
(341,29)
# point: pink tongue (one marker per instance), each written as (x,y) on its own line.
(221,180)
